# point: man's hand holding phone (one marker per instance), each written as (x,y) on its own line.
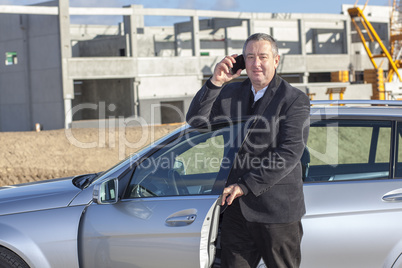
(227,69)
(239,64)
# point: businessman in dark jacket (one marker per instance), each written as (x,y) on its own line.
(264,192)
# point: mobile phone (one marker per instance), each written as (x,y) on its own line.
(240,64)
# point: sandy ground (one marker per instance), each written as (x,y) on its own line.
(34,156)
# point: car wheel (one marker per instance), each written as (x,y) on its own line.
(9,259)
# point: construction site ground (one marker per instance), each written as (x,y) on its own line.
(34,156)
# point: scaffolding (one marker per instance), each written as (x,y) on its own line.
(367,33)
(396,33)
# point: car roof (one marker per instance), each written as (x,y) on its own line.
(364,109)
(334,109)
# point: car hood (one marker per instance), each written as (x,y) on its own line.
(41,195)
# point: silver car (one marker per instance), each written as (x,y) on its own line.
(160,207)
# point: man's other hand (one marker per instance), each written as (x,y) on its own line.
(230,193)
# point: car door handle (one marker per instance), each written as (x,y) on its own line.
(181,220)
(393,196)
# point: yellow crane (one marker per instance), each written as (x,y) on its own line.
(396,34)
(393,55)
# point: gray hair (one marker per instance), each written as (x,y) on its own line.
(262,37)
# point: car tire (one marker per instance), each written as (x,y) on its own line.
(9,259)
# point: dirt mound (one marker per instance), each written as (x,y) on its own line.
(34,156)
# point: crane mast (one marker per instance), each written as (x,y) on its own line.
(383,87)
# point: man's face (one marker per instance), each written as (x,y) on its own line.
(260,63)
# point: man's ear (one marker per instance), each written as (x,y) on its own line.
(276,60)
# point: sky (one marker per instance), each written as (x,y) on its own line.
(264,6)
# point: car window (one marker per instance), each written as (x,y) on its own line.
(348,150)
(190,165)
(398,171)
(205,157)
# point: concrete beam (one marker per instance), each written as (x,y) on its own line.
(171,66)
(126,11)
(124,67)
(327,63)
(313,63)
(110,11)
(102,68)
(34,10)
(208,24)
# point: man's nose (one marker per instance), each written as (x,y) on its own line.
(257,62)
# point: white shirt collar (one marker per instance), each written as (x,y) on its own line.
(259,94)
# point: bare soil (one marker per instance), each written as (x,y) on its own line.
(34,156)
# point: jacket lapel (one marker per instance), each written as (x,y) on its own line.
(266,99)
(242,105)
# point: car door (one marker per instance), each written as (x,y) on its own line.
(353,198)
(169,213)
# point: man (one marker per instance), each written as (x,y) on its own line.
(265,200)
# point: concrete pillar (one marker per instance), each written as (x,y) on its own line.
(227,41)
(250,27)
(132,23)
(346,37)
(68,115)
(176,40)
(348,41)
(24,22)
(135,85)
(302,44)
(66,54)
(302,37)
(132,32)
(305,77)
(195,34)
(128,45)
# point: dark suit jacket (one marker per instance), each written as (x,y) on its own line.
(267,166)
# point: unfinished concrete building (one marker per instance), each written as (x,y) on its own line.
(61,75)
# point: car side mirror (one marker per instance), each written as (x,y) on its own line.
(106,192)
(179,167)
